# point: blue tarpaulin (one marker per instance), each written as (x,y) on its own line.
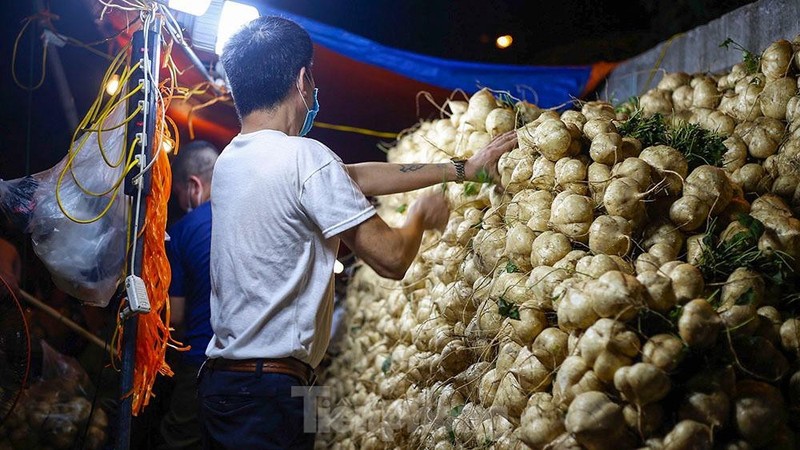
(546,86)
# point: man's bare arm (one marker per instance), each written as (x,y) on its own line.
(377,178)
(390,251)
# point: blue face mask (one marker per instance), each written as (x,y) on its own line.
(310,115)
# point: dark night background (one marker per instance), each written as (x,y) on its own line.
(33,134)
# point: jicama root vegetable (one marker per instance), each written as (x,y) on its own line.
(572,215)
(593,127)
(711,408)
(550,138)
(669,164)
(610,148)
(642,383)
(598,176)
(762,136)
(620,286)
(610,235)
(542,421)
(656,101)
(550,347)
(664,351)
(776,95)
(570,174)
(616,295)
(596,422)
(549,247)
(699,324)
(607,346)
(659,294)
(776,59)
(500,120)
(480,105)
(759,411)
(688,434)
(624,198)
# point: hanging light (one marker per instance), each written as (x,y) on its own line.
(504,41)
(193,7)
(234,15)
(112,85)
(167,145)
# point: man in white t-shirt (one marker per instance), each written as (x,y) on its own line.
(281,204)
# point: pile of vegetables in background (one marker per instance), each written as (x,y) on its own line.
(56,411)
(633,285)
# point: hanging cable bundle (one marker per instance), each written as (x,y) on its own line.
(153,333)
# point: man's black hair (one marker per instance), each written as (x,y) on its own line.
(195,158)
(262,61)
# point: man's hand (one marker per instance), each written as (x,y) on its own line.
(433,211)
(483,164)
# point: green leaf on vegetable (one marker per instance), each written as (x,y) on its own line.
(483,176)
(719,258)
(675,314)
(747,298)
(751,60)
(508,309)
(698,145)
(650,130)
(456,411)
(715,299)
(628,107)
(402,208)
(387,364)
(511,267)
(506,100)
(471,189)
(754,225)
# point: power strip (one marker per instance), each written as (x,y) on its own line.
(137,294)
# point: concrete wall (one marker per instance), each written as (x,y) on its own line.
(753,26)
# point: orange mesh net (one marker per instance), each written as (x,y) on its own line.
(153,333)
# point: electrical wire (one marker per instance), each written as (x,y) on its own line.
(357,130)
(97,115)
(39,84)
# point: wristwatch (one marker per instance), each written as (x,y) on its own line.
(461,173)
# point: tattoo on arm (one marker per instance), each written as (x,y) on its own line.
(410,167)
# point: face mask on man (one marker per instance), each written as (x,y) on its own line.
(311,113)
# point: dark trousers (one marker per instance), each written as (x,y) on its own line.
(180,427)
(255,411)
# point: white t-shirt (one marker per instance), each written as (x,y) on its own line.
(277,203)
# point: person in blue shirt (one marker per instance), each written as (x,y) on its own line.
(188,251)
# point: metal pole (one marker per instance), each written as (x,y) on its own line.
(51,40)
(142,127)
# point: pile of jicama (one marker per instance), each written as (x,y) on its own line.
(633,283)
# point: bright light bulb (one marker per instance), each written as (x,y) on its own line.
(504,41)
(167,146)
(112,86)
(338,267)
(234,16)
(193,7)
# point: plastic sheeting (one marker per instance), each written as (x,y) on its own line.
(546,86)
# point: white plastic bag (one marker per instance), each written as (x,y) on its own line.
(75,212)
